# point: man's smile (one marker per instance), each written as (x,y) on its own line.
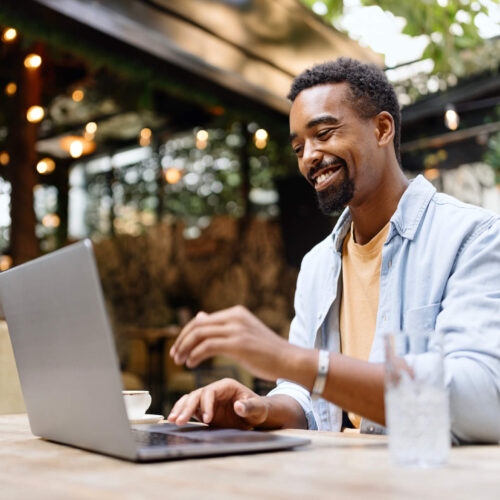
(325,175)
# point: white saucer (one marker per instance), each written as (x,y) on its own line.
(147,419)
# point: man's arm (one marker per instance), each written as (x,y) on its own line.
(354,385)
(227,403)
(470,321)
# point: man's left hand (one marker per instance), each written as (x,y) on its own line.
(237,334)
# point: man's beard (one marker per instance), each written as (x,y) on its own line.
(335,197)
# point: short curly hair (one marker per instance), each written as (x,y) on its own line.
(370,93)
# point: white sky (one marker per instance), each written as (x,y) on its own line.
(381,31)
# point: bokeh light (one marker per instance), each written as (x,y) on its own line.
(35,114)
(45,166)
(9,35)
(172,175)
(10,89)
(51,221)
(32,61)
(5,262)
(77,95)
(4,158)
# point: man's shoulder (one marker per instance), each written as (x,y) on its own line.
(455,224)
(450,210)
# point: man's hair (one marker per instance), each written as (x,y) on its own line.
(370,91)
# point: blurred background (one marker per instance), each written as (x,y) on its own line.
(159,129)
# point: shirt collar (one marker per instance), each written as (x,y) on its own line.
(412,206)
(406,218)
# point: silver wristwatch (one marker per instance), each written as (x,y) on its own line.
(320,382)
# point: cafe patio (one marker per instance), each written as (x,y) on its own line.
(159,130)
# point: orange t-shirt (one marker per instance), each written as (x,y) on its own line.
(360,293)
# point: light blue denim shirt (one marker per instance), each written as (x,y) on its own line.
(440,270)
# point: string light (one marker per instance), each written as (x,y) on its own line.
(145,137)
(91,127)
(4,158)
(9,35)
(77,95)
(10,89)
(201,139)
(5,262)
(51,221)
(76,149)
(45,166)
(35,114)
(146,133)
(451,118)
(90,130)
(32,61)
(77,146)
(202,135)
(260,138)
(172,175)
(432,173)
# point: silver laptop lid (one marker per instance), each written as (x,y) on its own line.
(65,353)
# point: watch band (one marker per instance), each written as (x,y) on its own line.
(320,382)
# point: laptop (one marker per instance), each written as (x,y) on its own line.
(68,367)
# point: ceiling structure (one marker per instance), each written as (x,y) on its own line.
(251,47)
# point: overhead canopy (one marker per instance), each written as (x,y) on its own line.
(252,47)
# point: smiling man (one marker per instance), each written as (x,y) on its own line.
(401,256)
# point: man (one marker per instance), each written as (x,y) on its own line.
(401,256)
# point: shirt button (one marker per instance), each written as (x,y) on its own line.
(371,428)
(389,264)
(320,315)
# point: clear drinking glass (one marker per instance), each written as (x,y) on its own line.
(416,401)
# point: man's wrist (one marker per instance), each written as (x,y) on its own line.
(300,366)
(321,376)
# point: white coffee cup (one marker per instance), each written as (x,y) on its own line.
(136,403)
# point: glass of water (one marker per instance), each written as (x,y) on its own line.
(416,400)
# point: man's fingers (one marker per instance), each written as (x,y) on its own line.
(198,335)
(207,405)
(187,409)
(177,408)
(210,348)
(254,409)
(236,313)
(201,320)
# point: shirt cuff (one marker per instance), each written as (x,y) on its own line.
(301,395)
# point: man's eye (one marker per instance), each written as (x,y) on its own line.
(324,134)
(297,149)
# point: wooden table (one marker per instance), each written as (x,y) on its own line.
(333,466)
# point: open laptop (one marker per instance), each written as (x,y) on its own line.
(68,367)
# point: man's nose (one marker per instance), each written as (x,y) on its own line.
(312,155)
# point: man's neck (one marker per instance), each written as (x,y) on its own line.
(375,212)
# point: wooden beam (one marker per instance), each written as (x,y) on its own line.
(22,139)
(441,140)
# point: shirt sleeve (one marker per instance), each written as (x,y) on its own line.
(470,322)
(301,337)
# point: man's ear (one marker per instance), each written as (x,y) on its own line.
(384,128)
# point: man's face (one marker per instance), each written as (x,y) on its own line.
(334,146)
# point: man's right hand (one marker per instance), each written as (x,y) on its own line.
(225,403)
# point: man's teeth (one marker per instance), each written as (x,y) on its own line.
(323,177)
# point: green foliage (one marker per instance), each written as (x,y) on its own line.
(450,26)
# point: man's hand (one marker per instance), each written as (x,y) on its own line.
(237,334)
(225,403)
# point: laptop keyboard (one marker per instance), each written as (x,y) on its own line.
(149,438)
(189,435)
